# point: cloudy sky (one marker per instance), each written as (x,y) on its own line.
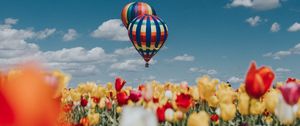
(215,37)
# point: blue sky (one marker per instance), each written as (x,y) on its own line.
(216,37)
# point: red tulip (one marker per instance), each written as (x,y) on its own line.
(160,113)
(214,117)
(135,95)
(119,84)
(290,93)
(258,81)
(122,98)
(83,102)
(96,99)
(184,102)
(168,105)
(155,100)
(291,80)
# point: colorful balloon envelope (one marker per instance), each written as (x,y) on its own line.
(135,9)
(148,34)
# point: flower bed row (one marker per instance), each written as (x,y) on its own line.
(209,102)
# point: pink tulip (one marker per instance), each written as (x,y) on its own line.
(290,93)
(135,95)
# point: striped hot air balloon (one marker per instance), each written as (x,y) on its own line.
(134,9)
(148,34)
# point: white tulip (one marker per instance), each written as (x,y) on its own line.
(285,112)
(169,94)
(169,114)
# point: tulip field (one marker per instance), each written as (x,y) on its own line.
(209,102)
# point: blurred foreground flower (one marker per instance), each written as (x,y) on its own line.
(27,99)
(137,116)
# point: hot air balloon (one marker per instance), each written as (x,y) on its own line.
(148,34)
(134,9)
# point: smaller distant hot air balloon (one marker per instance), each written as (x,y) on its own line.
(135,9)
(148,34)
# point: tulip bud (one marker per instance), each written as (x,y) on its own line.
(168,94)
(179,116)
(169,115)
(119,109)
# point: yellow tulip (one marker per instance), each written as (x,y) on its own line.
(195,93)
(98,92)
(225,93)
(93,118)
(227,111)
(86,88)
(271,100)
(119,109)
(213,101)
(109,86)
(256,107)
(268,120)
(279,84)
(243,103)
(75,95)
(198,119)
(206,86)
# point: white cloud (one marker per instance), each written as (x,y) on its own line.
(295,27)
(70,35)
(10,21)
(130,65)
(45,33)
(184,57)
(255,4)
(244,3)
(194,69)
(235,79)
(112,29)
(254,21)
(275,27)
(15,49)
(78,54)
(211,72)
(283,70)
(280,54)
(204,71)
(125,51)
